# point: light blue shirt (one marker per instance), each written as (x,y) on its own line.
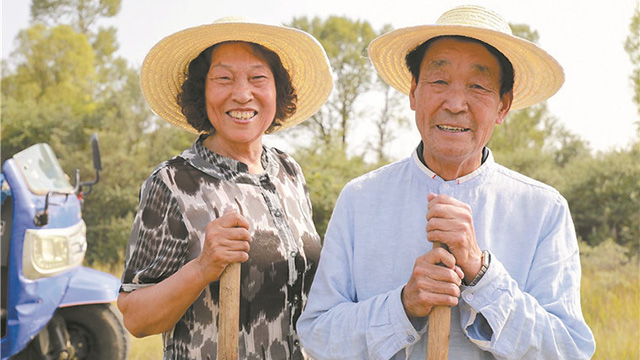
(527,305)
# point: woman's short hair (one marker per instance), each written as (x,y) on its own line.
(192,98)
(414,60)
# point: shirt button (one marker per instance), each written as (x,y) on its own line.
(446,186)
(296,342)
(411,339)
(296,298)
(278,213)
(469,297)
(293,254)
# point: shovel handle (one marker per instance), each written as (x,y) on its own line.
(439,329)
(229,313)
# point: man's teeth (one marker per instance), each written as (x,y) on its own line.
(451,128)
(242,115)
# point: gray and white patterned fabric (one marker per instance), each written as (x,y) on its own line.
(179,199)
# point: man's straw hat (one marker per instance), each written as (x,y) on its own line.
(163,70)
(537,74)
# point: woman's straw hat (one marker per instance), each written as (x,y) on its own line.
(537,74)
(163,70)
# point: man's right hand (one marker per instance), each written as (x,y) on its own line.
(227,240)
(432,284)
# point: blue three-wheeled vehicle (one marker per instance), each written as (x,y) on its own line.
(52,307)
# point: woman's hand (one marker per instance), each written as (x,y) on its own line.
(227,240)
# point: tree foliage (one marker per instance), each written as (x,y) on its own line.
(345,42)
(604,196)
(632,46)
(64,82)
(82,14)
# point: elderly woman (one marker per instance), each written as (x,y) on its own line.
(228,199)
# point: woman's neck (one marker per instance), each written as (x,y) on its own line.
(249,154)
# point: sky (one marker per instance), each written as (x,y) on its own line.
(586,37)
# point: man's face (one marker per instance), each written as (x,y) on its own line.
(457,104)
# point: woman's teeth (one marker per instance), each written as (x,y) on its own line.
(242,115)
(451,128)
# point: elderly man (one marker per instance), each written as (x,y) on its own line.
(512,272)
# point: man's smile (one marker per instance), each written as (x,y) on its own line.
(453,129)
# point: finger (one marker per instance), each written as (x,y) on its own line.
(233,246)
(442,256)
(236,233)
(233,219)
(459,271)
(441,224)
(438,279)
(442,199)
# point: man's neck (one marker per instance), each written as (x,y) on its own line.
(453,170)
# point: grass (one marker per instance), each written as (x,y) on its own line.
(611,300)
(147,348)
(610,304)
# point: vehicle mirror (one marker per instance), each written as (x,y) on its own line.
(95,148)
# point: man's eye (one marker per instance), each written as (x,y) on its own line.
(478,86)
(439,82)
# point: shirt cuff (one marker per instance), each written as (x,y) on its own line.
(478,305)
(408,331)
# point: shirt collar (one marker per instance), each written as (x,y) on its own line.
(223,167)
(487,160)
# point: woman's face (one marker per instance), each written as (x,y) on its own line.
(240,94)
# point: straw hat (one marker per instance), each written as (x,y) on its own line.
(537,74)
(302,55)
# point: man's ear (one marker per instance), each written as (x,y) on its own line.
(412,95)
(505,106)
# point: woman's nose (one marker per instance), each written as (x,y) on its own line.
(242,91)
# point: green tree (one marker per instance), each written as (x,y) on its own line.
(603,195)
(389,122)
(64,82)
(46,97)
(345,42)
(327,170)
(82,14)
(532,141)
(632,46)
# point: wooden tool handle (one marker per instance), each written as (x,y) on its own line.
(229,313)
(439,329)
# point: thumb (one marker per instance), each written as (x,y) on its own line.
(431,196)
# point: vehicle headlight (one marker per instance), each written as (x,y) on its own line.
(48,252)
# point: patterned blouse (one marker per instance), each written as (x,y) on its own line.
(179,199)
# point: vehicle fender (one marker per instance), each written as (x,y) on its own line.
(90,286)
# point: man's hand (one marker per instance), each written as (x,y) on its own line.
(432,284)
(227,241)
(450,222)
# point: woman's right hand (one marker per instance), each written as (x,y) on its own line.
(227,240)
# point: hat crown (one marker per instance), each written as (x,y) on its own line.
(231,19)
(475,16)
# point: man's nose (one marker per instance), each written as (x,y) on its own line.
(456,100)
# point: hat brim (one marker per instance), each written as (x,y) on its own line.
(164,67)
(537,74)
